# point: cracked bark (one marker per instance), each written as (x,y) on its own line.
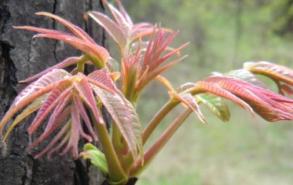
(20,57)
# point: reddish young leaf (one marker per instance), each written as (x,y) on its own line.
(216,89)
(76,132)
(122,21)
(91,49)
(82,111)
(49,78)
(141,30)
(186,99)
(54,123)
(245,75)
(77,38)
(85,91)
(77,31)
(62,98)
(58,94)
(122,112)
(124,13)
(282,75)
(267,104)
(38,88)
(121,29)
(102,77)
(111,27)
(141,67)
(57,143)
(34,106)
(61,65)
(274,71)
(191,103)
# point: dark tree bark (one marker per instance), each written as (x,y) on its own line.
(22,56)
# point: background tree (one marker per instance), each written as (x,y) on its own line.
(22,56)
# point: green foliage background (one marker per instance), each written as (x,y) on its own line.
(222,34)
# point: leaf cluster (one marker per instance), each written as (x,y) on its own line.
(69,103)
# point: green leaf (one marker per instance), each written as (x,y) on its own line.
(96,157)
(216,105)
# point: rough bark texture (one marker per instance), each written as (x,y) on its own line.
(22,56)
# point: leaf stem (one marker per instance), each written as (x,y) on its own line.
(153,124)
(81,63)
(164,111)
(96,61)
(160,143)
(116,171)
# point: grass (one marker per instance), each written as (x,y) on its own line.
(243,151)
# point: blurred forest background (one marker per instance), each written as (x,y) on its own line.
(223,34)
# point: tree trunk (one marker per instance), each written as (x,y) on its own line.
(22,56)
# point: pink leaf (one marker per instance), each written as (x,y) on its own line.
(38,88)
(111,27)
(86,93)
(58,94)
(65,63)
(87,47)
(189,101)
(73,28)
(269,105)
(56,143)
(120,19)
(123,12)
(84,115)
(54,122)
(50,78)
(124,116)
(103,77)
